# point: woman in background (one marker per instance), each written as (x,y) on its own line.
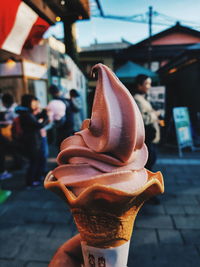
(7,115)
(149,115)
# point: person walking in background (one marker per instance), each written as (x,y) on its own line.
(5,148)
(149,115)
(76,108)
(8,106)
(60,112)
(7,115)
(31,137)
(44,149)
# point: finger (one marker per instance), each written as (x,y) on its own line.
(73,245)
(69,253)
(62,259)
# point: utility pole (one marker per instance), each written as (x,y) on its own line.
(150,35)
(70,39)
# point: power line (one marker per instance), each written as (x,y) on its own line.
(169,18)
(158,18)
(143,19)
(124,18)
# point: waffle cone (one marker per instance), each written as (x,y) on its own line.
(103,228)
(103,215)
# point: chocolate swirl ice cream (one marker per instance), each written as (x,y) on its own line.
(110,148)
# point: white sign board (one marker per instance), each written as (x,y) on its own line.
(40,88)
(34,70)
(183,128)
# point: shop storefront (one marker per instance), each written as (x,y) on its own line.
(20,77)
(62,70)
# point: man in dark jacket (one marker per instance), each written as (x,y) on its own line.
(31,138)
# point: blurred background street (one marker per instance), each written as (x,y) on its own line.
(47,51)
(35,222)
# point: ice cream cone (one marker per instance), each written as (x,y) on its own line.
(101,173)
(105,216)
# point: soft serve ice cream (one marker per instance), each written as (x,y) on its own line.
(110,149)
(101,173)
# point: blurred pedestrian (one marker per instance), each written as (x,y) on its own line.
(31,137)
(7,115)
(149,115)
(8,106)
(44,149)
(76,108)
(5,148)
(60,110)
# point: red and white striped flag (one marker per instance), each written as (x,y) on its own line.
(19,25)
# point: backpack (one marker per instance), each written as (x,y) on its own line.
(5,126)
(17,130)
(150,133)
(73,107)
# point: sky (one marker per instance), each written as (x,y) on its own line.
(110,30)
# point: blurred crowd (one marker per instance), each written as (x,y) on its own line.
(27,130)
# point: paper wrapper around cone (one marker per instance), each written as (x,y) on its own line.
(103,215)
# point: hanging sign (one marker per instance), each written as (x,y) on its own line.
(19,25)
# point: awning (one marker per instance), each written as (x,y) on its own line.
(19,25)
(130,70)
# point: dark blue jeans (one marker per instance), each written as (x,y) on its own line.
(152,156)
(37,163)
(44,155)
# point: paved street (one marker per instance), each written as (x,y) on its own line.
(34,223)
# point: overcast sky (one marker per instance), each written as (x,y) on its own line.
(107,30)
